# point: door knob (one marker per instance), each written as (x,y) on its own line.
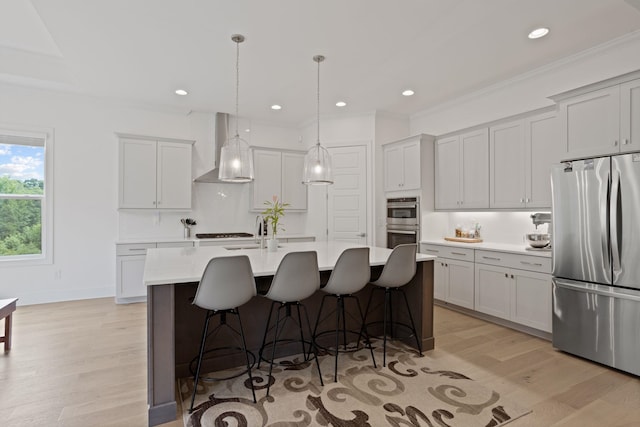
(361,234)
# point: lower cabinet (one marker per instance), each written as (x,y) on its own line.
(130,258)
(510,286)
(453,280)
(517,295)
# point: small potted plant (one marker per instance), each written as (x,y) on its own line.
(272,214)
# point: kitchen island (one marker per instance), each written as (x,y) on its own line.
(174,324)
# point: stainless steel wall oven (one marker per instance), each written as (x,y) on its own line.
(403,221)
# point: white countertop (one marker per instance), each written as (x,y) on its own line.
(489,246)
(195,239)
(184,265)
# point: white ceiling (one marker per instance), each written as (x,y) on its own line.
(140,51)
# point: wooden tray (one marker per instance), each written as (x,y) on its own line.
(463,240)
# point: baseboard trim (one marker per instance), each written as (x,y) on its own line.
(60,295)
(164,413)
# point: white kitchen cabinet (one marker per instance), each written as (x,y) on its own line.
(462,171)
(278,173)
(130,258)
(453,276)
(402,165)
(154,173)
(514,287)
(602,118)
(521,155)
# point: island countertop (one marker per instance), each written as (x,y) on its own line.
(186,265)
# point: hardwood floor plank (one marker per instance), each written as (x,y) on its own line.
(83,363)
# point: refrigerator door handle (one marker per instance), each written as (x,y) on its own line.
(613,218)
(598,290)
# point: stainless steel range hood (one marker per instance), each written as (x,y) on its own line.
(221,135)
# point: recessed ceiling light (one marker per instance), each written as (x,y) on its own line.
(247,130)
(408,92)
(181,92)
(341,104)
(276,107)
(538,32)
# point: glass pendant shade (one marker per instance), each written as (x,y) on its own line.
(317,166)
(236,161)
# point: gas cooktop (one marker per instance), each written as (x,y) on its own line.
(221,235)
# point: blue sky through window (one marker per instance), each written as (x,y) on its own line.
(21,162)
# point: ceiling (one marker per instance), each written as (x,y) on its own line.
(141,51)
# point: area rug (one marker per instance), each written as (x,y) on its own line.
(411,391)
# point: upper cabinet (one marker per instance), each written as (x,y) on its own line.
(154,173)
(462,171)
(402,165)
(601,119)
(278,173)
(521,153)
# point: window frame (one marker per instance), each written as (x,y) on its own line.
(46,198)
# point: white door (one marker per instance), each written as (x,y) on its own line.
(448,173)
(506,165)
(174,175)
(460,288)
(137,174)
(474,148)
(347,197)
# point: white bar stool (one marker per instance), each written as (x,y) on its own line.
(350,274)
(297,278)
(397,272)
(226,284)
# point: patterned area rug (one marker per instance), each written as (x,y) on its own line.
(410,391)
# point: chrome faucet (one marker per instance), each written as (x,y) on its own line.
(260,231)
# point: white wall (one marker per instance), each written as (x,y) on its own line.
(85,188)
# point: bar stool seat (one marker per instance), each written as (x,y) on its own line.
(397,272)
(296,278)
(226,284)
(350,275)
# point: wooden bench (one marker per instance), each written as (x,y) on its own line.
(7,307)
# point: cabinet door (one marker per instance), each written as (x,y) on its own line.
(137,174)
(543,149)
(130,271)
(393,168)
(174,175)
(630,116)
(460,287)
(411,165)
(506,165)
(590,123)
(448,173)
(475,169)
(492,293)
(531,299)
(440,279)
(268,177)
(294,191)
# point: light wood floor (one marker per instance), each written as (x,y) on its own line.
(83,363)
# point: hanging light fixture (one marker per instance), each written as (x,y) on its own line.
(317,162)
(236,162)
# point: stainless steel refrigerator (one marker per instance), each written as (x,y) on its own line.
(596,259)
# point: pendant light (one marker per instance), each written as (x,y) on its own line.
(236,162)
(317,162)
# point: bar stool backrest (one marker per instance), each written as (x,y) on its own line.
(297,277)
(400,267)
(227,282)
(351,272)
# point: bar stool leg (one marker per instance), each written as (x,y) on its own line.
(413,326)
(304,350)
(315,348)
(366,334)
(273,351)
(264,337)
(246,355)
(202,345)
(384,326)
(339,311)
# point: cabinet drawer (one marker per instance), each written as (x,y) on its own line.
(134,248)
(511,260)
(451,252)
(175,244)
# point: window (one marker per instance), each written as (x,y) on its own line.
(25,196)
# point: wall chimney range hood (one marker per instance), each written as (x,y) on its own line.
(221,135)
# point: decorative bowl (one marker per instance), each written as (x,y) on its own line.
(538,240)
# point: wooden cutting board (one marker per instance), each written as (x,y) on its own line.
(463,239)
